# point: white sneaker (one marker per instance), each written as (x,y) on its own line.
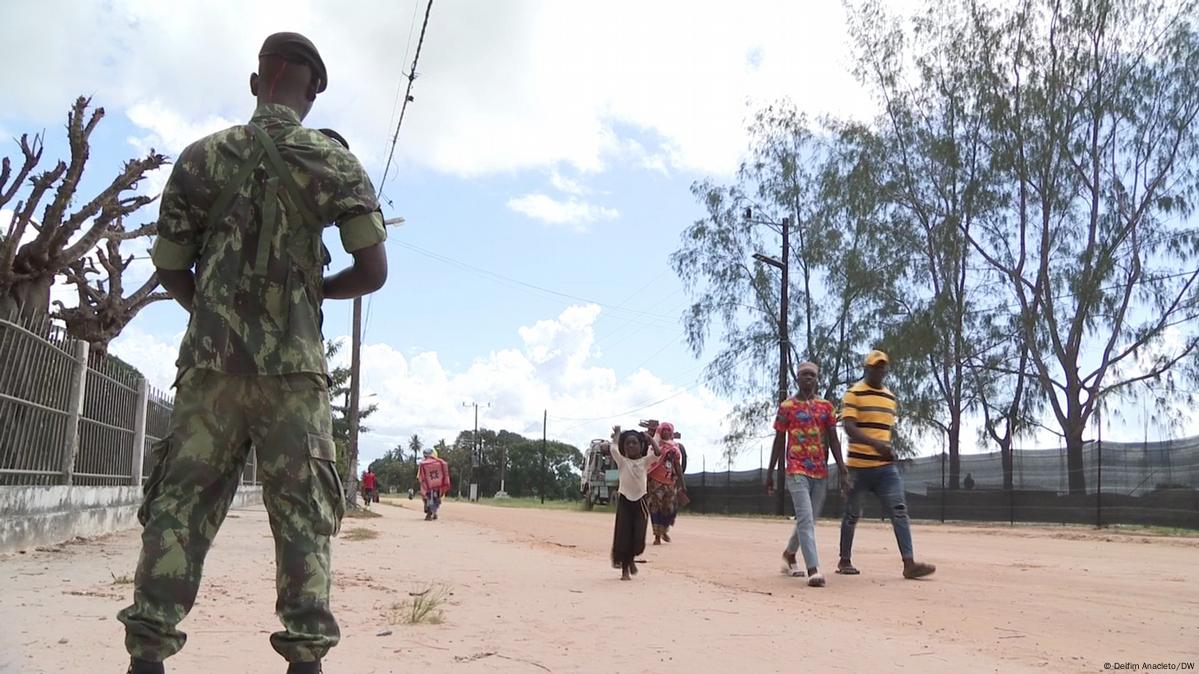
(817,580)
(792,569)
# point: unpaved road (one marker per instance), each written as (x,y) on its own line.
(532,591)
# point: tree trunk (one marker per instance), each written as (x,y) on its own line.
(30,297)
(1075,469)
(1005,454)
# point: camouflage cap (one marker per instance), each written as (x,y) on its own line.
(296,48)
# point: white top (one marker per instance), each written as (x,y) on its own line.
(632,472)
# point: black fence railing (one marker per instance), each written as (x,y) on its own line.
(1126,483)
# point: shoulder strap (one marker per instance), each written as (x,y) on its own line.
(279,168)
(221,205)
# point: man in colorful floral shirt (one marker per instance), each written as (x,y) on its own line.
(806,427)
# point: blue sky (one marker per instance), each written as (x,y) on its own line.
(549,144)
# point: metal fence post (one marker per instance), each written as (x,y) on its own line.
(75,410)
(1099,474)
(1011,487)
(942,486)
(139,431)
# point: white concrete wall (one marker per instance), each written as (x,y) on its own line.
(33,516)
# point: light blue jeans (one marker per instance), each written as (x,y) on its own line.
(807,496)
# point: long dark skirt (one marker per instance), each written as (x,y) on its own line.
(629,538)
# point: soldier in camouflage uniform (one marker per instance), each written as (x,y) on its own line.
(245,208)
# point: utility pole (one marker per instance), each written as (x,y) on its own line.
(475,454)
(351,480)
(783,265)
(355,384)
(503,471)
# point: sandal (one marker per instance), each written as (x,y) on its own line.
(848,570)
(792,569)
(816,580)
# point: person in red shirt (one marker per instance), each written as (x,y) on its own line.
(370,487)
(806,428)
(434,476)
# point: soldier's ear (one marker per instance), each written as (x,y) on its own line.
(254,84)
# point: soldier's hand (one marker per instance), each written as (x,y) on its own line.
(769,487)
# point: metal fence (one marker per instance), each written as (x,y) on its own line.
(1127,483)
(67,417)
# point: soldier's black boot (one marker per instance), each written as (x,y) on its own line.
(304,667)
(144,667)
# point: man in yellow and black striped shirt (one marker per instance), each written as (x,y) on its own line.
(870,407)
(868,413)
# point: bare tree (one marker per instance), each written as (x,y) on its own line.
(103,309)
(71,243)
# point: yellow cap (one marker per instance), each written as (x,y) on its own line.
(875,357)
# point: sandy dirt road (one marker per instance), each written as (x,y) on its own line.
(532,591)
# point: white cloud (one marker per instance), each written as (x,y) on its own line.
(154,357)
(553,369)
(567,185)
(503,86)
(572,211)
(168,130)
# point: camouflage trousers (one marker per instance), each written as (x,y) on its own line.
(197,468)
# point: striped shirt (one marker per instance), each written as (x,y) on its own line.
(874,411)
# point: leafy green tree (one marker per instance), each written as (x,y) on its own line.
(563,462)
(394,471)
(1092,125)
(938,183)
(841,276)
(339,398)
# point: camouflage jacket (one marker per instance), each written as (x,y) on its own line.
(248,215)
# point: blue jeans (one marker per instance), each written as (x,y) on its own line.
(807,495)
(885,483)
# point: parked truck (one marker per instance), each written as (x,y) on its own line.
(600,478)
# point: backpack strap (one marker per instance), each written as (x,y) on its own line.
(278,167)
(221,206)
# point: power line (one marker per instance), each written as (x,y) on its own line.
(407,99)
(646,317)
(395,138)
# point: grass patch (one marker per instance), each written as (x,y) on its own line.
(360,534)
(421,608)
(124,579)
(361,514)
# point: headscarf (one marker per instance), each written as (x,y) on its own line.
(668,447)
